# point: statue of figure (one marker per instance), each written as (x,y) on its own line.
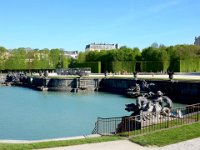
(46,73)
(135,74)
(157,102)
(144,88)
(40,73)
(134,91)
(148,87)
(171,74)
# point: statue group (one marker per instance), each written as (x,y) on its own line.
(150,103)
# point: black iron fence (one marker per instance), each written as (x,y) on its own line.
(146,123)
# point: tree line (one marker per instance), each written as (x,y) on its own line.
(37,59)
(153,53)
(180,58)
(32,59)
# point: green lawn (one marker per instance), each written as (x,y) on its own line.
(170,136)
(57,143)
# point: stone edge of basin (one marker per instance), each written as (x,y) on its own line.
(49,140)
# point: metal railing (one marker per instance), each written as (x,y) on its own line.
(146,123)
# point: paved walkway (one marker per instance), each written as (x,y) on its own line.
(154,76)
(194,76)
(193,144)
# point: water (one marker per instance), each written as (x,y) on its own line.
(26,114)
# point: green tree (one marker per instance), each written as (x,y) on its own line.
(18,60)
(30,58)
(3,57)
(92,56)
(42,59)
(72,63)
(81,57)
(63,60)
(55,58)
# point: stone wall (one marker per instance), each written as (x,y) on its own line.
(187,92)
(66,84)
(182,91)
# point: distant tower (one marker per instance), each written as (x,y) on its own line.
(197,41)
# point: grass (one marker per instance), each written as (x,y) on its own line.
(51,144)
(170,136)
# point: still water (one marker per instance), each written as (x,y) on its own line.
(26,114)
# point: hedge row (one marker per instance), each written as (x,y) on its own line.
(175,66)
(148,66)
(153,66)
(95,66)
(157,66)
(120,66)
(140,66)
(190,65)
(131,66)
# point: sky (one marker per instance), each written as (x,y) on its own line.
(72,24)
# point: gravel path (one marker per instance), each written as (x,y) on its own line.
(193,144)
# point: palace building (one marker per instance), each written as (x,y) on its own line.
(100,46)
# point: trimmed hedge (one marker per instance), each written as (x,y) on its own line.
(190,65)
(175,66)
(95,66)
(144,66)
(118,66)
(153,66)
(126,66)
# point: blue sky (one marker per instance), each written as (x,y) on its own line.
(71,24)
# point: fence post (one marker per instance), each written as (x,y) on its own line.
(198,109)
(129,126)
(97,125)
(167,122)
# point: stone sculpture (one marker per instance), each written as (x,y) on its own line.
(16,77)
(139,90)
(133,91)
(151,104)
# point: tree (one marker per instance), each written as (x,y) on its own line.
(81,57)
(42,60)
(55,58)
(154,45)
(17,61)
(3,52)
(92,56)
(72,63)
